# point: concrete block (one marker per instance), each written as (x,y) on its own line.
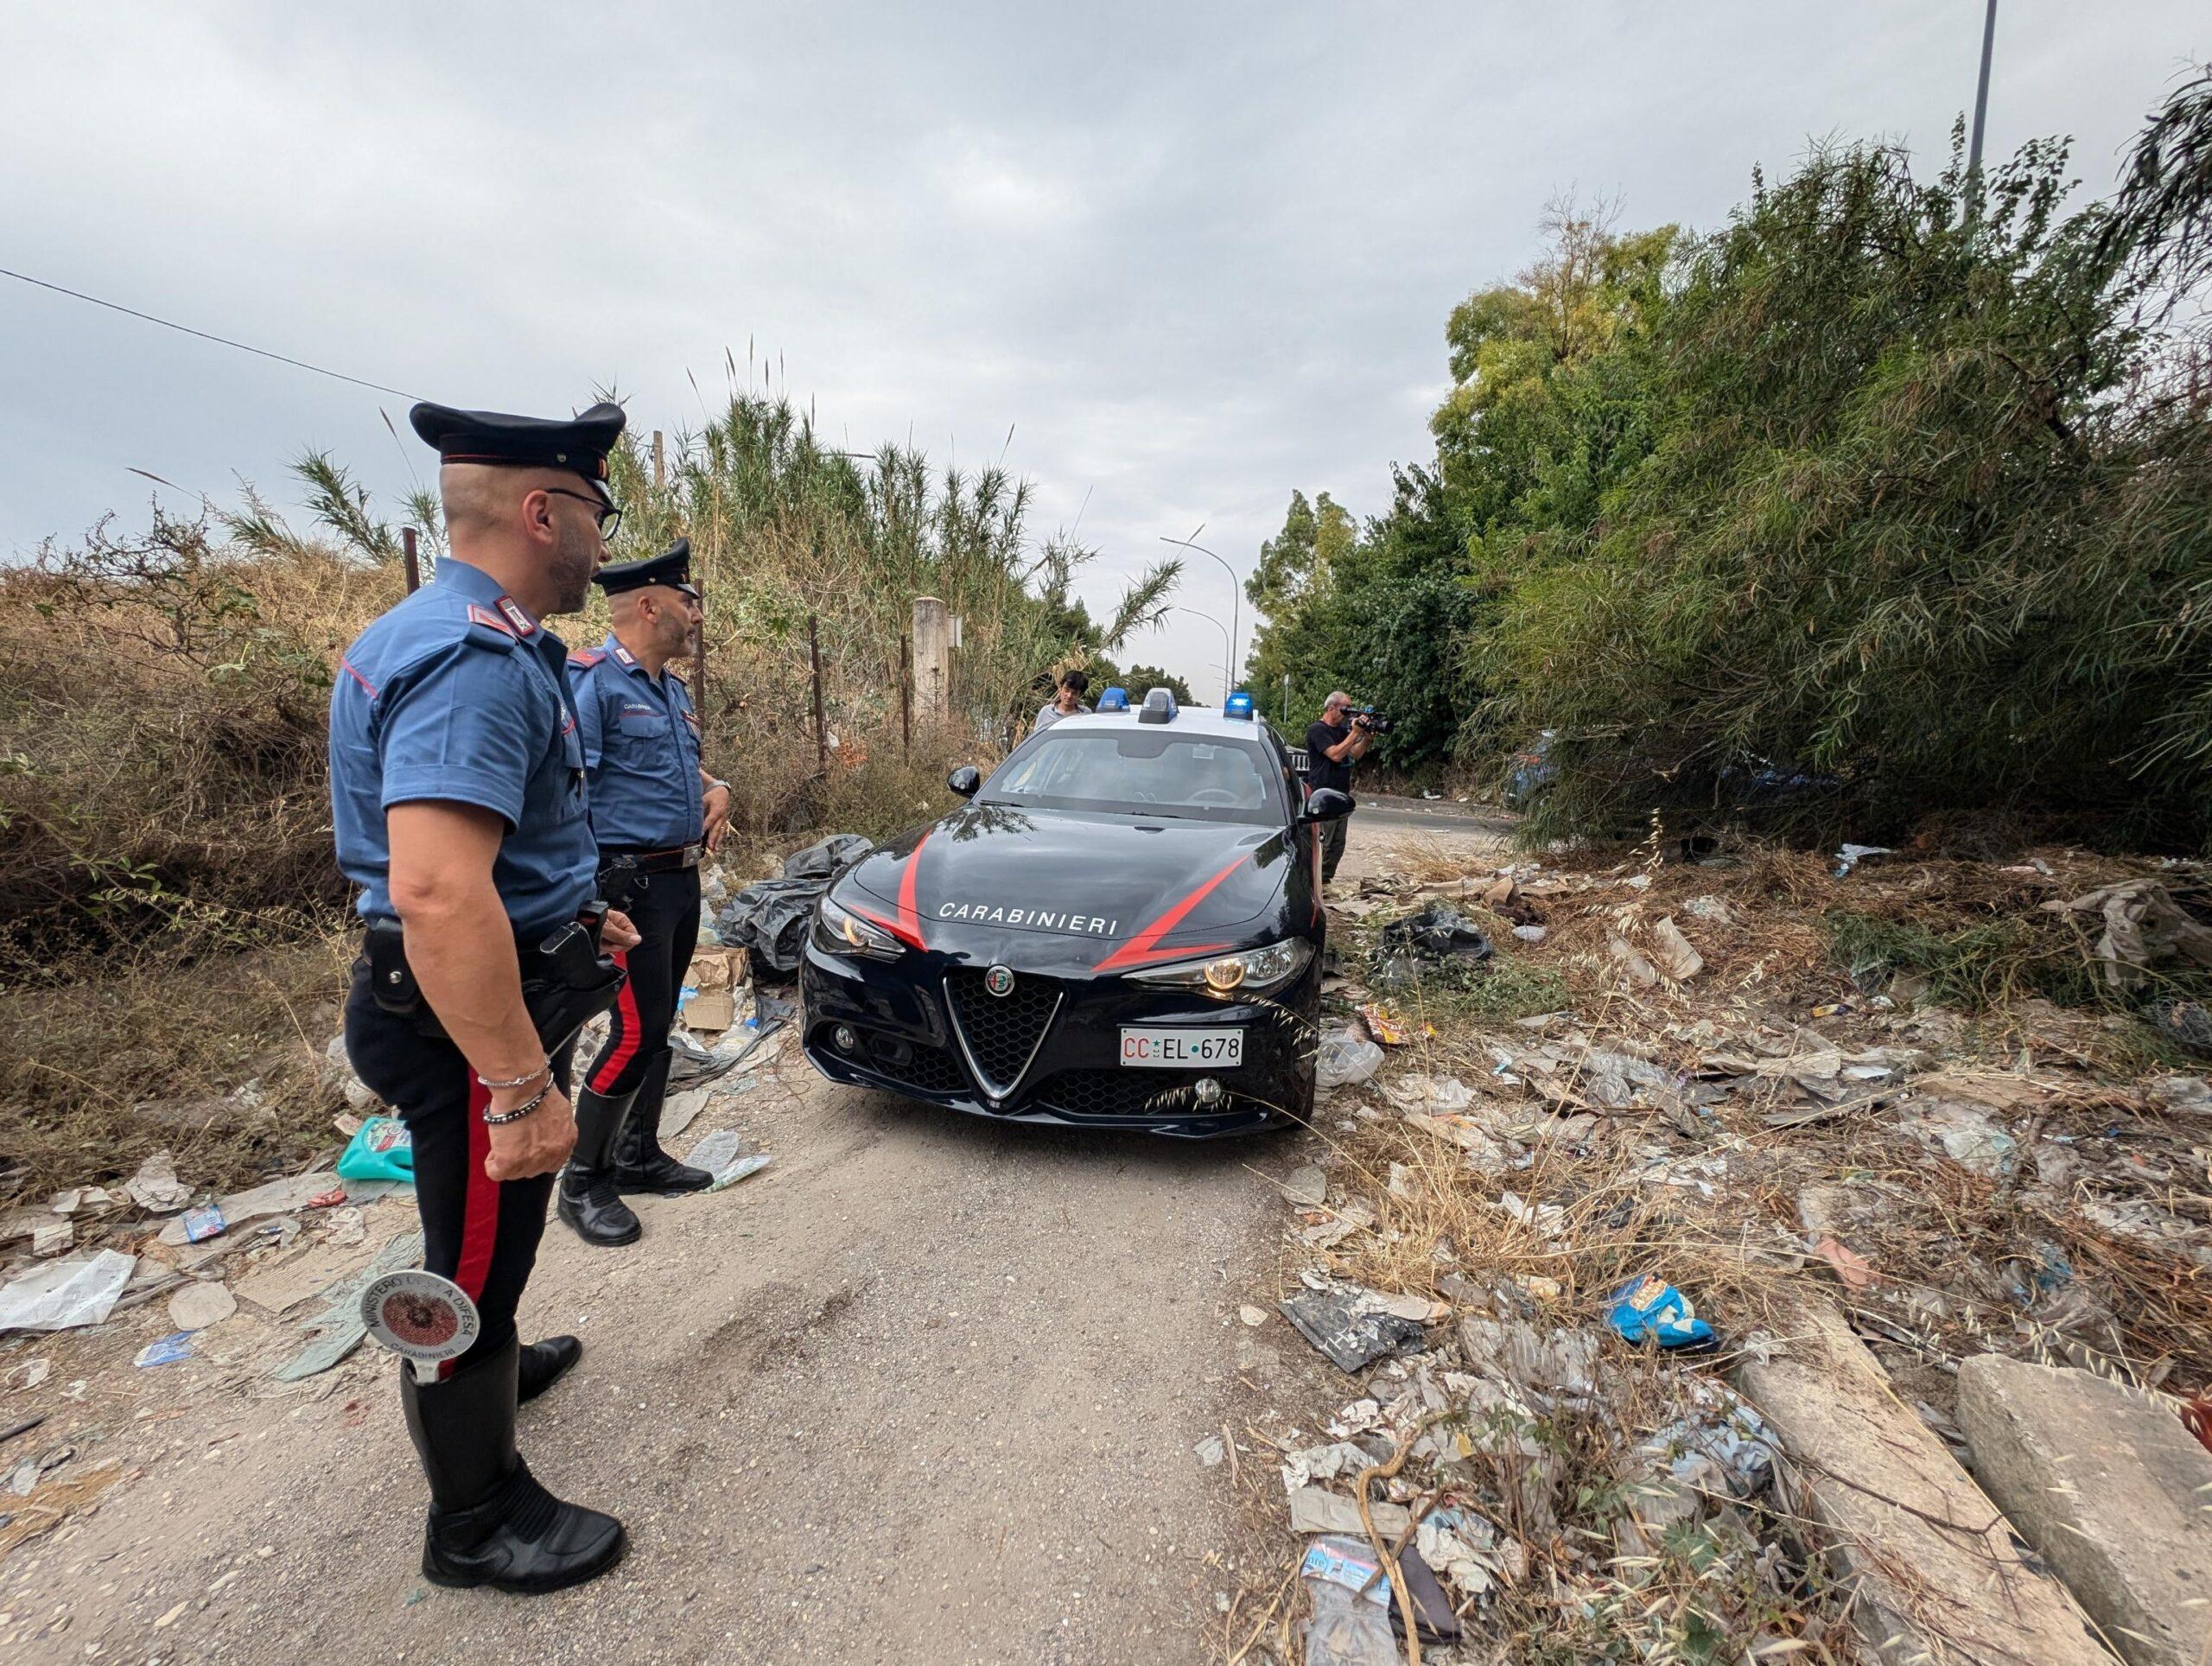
(2108,1484)
(1934,1572)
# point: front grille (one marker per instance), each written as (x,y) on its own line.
(1117,1093)
(1002,1030)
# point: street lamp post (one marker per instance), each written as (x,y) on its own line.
(1980,114)
(1226,648)
(1236,596)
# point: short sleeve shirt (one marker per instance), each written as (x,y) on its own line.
(1321,770)
(641,751)
(458,696)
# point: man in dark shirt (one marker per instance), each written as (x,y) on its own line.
(1331,746)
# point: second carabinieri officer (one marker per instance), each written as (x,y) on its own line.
(457,790)
(655,812)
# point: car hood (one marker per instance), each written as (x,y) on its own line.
(1107,892)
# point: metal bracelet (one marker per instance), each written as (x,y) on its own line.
(520,1110)
(517,1081)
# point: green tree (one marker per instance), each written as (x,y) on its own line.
(1139,679)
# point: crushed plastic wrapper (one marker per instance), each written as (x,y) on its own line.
(1649,1309)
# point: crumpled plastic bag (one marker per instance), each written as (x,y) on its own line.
(1345,1058)
(2143,923)
(81,1289)
(768,918)
(1439,932)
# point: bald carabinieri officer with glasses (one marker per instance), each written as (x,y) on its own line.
(457,798)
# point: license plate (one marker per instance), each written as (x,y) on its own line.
(1182,1048)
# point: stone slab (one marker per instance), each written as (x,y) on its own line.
(2109,1485)
(1931,1564)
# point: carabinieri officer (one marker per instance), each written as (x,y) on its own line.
(654,811)
(457,789)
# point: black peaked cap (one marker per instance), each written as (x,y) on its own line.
(673,568)
(579,444)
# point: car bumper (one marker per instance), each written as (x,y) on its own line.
(906,1041)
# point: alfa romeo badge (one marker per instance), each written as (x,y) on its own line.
(1000,980)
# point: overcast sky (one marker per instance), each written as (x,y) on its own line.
(1195,255)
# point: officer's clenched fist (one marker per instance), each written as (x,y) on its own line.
(537,1144)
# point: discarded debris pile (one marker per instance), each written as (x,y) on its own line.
(1627,1279)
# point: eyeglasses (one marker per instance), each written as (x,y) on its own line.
(607,514)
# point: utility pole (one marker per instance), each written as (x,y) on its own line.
(1980,117)
(414,564)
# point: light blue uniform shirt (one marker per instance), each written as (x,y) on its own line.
(457,694)
(641,751)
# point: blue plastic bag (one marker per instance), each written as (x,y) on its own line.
(381,1150)
(1647,1309)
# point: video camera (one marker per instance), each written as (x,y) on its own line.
(1372,721)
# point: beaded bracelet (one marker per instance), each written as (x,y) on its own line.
(520,1110)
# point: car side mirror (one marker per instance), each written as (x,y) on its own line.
(967,780)
(1325,804)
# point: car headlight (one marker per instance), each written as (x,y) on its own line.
(1254,970)
(840,931)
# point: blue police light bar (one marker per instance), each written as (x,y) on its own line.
(1114,699)
(1159,708)
(1238,704)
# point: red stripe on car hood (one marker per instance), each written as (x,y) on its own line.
(1141,950)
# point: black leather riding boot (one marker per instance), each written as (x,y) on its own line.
(639,1163)
(490,1522)
(585,1197)
(544,1364)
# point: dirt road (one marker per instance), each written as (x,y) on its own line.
(924,1390)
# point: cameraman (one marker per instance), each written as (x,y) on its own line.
(1332,746)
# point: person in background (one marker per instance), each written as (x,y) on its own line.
(1332,747)
(1066,701)
(655,812)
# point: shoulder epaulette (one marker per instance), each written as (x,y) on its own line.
(586,659)
(486,629)
(679,676)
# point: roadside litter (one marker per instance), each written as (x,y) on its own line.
(1352,1327)
(165,1351)
(382,1150)
(1345,1058)
(337,1330)
(719,1154)
(768,918)
(155,1188)
(2142,925)
(1647,1309)
(77,1290)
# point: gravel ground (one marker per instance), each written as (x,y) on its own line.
(924,1390)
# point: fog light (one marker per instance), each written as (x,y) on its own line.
(845,1038)
(1206,1090)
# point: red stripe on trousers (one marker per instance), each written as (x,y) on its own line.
(479,1220)
(629,1032)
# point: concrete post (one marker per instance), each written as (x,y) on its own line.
(933,659)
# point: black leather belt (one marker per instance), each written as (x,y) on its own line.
(629,861)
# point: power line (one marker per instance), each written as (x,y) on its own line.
(220,340)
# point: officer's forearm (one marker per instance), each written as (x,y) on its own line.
(463,951)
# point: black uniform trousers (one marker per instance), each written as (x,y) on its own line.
(480,1232)
(664,907)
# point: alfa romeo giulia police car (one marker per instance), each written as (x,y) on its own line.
(1122,928)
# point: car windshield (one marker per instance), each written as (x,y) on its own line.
(1194,777)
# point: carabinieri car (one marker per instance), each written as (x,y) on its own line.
(1122,928)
